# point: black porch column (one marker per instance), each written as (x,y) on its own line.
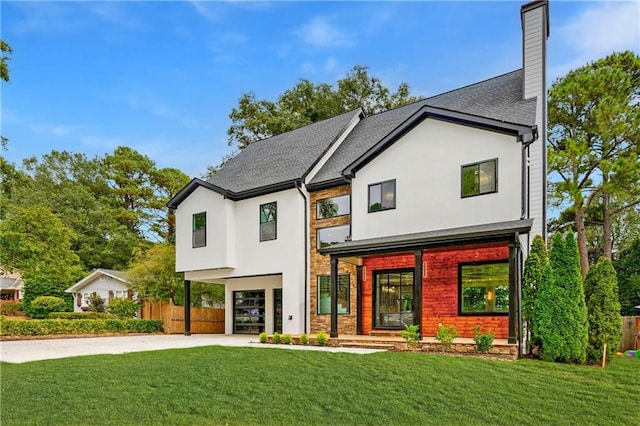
(513,293)
(187,308)
(334,297)
(358,300)
(417,291)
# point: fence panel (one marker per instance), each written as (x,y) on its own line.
(630,328)
(203,320)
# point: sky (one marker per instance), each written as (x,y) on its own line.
(162,77)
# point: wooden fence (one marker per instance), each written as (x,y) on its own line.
(203,320)
(630,328)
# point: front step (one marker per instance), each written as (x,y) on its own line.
(384,333)
(372,345)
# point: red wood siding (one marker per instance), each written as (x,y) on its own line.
(439,288)
(440,291)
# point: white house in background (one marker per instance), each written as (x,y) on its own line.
(105,283)
(421,215)
(11,285)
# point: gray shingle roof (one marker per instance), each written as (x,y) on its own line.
(498,98)
(281,158)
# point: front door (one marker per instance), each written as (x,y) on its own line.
(393,304)
(248,312)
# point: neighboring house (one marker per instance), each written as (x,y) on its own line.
(361,224)
(105,283)
(11,285)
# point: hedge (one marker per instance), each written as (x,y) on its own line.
(10,327)
(79,315)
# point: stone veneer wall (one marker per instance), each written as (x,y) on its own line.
(321,265)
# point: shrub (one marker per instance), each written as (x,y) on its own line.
(322,338)
(96,303)
(287,339)
(263,337)
(445,335)
(123,308)
(277,338)
(603,307)
(304,339)
(531,277)
(42,306)
(411,334)
(10,307)
(484,341)
(78,315)
(85,326)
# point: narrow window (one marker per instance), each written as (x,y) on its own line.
(199,238)
(268,221)
(382,196)
(333,235)
(484,288)
(332,207)
(480,178)
(324,294)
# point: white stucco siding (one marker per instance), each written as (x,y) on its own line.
(426,164)
(100,287)
(219,250)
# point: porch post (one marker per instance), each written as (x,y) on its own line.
(358,299)
(513,293)
(334,297)
(417,291)
(187,308)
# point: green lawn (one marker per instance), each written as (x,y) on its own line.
(223,385)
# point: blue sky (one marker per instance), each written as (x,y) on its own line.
(162,77)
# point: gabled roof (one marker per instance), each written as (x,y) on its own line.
(498,99)
(118,275)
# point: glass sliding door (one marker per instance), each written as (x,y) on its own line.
(248,312)
(393,304)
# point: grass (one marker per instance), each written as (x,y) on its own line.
(239,386)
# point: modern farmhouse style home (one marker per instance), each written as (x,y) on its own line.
(362,224)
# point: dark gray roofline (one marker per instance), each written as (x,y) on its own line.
(326,184)
(234,196)
(439,114)
(361,115)
(492,232)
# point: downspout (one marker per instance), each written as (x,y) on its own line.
(306,253)
(525,207)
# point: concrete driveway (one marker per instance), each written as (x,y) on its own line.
(19,351)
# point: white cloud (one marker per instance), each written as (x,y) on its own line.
(600,29)
(207,10)
(320,33)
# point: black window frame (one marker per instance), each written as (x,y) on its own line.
(478,164)
(275,221)
(200,230)
(374,311)
(381,185)
(494,313)
(318,217)
(340,285)
(318,241)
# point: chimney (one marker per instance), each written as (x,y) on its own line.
(535,31)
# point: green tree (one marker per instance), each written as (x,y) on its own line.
(11,181)
(307,103)
(603,306)
(37,243)
(167,182)
(4,75)
(594,143)
(627,265)
(533,272)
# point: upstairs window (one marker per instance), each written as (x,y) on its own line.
(480,178)
(334,235)
(268,221)
(334,206)
(199,228)
(382,196)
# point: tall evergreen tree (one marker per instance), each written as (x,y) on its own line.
(532,276)
(603,306)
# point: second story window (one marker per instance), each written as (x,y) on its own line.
(334,235)
(480,178)
(199,228)
(268,221)
(334,206)
(382,196)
